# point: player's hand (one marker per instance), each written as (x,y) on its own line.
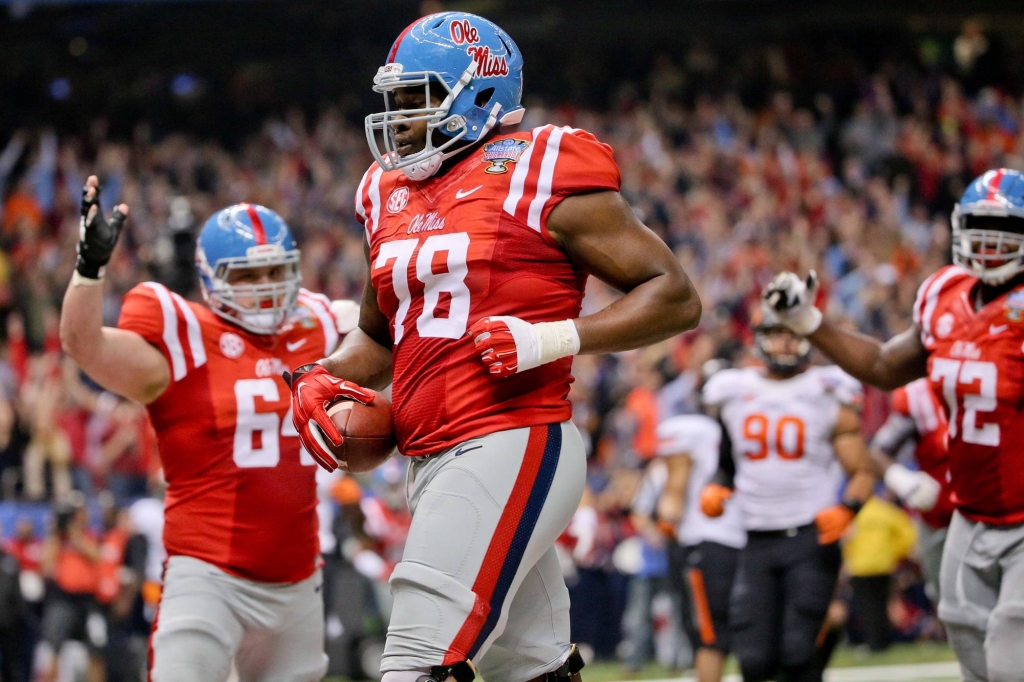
(792,299)
(509,345)
(917,489)
(97,236)
(832,523)
(313,390)
(713,499)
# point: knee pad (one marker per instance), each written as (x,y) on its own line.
(190,655)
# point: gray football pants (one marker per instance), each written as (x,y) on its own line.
(480,579)
(982,603)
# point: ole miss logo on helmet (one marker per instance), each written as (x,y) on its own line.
(487,65)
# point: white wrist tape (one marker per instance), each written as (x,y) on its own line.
(79,281)
(557,340)
(543,342)
(900,480)
(803,321)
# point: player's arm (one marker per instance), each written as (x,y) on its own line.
(852,453)
(363,359)
(673,497)
(717,493)
(887,365)
(917,489)
(119,360)
(600,234)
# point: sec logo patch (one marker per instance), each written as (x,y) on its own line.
(398,200)
(231,345)
(944,326)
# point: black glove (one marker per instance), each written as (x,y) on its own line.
(96,236)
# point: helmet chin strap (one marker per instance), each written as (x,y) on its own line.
(421,170)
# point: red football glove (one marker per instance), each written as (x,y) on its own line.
(713,499)
(313,390)
(497,347)
(832,523)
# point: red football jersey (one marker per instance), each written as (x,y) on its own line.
(976,364)
(918,402)
(241,493)
(472,243)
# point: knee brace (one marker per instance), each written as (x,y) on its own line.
(573,664)
(463,671)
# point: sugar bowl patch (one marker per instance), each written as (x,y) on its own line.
(502,152)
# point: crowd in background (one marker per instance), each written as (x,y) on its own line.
(739,192)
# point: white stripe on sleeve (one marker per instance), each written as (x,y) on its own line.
(170,336)
(374,199)
(547,174)
(321,307)
(195,334)
(360,206)
(932,300)
(519,175)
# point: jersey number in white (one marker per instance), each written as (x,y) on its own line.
(452,282)
(952,372)
(249,422)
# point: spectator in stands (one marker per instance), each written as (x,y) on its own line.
(13,620)
(71,559)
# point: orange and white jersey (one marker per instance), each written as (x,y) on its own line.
(468,244)
(241,491)
(781,433)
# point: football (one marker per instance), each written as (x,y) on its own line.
(368,430)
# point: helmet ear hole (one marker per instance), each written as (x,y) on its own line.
(483,97)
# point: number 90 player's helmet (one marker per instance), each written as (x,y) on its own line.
(768,324)
(988,226)
(466,60)
(248,236)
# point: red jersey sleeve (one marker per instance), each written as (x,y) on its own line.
(900,402)
(929,305)
(577,162)
(367,199)
(166,321)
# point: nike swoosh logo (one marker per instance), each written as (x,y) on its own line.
(994,329)
(318,587)
(462,451)
(462,195)
(295,346)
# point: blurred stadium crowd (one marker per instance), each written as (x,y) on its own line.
(860,190)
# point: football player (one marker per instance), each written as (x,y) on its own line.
(784,428)
(479,242)
(966,339)
(917,418)
(690,445)
(240,527)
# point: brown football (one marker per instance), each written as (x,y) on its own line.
(369,433)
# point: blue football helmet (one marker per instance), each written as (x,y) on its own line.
(248,236)
(988,226)
(469,60)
